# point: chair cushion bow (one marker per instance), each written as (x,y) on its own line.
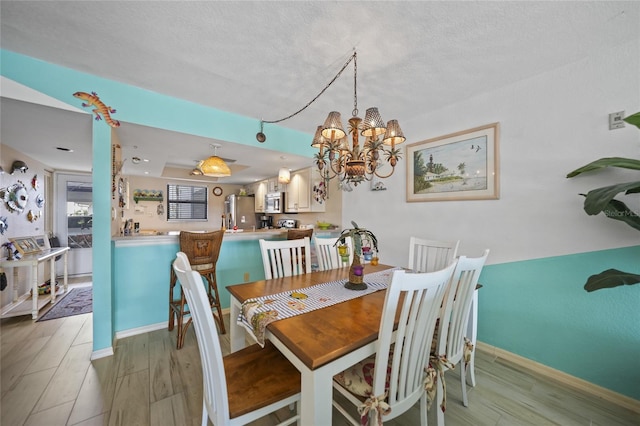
(438,363)
(376,404)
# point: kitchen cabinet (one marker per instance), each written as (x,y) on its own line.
(275,186)
(261,189)
(302,192)
(298,195)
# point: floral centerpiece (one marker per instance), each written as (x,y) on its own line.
(365,244)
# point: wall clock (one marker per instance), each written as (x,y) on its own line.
(217,191)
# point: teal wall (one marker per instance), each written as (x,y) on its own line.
(101,229)
(141,279)
(538,309)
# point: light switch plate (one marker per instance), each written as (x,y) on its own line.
(616,120)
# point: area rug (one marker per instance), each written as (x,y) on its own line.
(77,301)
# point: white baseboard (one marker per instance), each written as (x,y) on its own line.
(134,332)
(102,353)
(562,377)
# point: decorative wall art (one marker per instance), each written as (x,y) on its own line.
(147,195)
(16,197)
(19,166)
(4,224)
(320,192)
(39,201)
(100,110)
(458,166)
(25,245)
(33,216)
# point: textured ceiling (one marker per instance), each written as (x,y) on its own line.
(266,60)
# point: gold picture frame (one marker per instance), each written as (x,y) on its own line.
(458,166)
(25,245)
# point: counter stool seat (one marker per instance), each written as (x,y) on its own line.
(202,250)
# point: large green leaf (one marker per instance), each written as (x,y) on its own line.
(625,163)
(598,199)
(611,278)
(634,119)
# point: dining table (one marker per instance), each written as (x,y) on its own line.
(320,343)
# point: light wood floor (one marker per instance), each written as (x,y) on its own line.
(47,379)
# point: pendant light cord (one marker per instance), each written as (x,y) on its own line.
(355,94)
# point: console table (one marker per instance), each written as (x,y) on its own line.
(20,305)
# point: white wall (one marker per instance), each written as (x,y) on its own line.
(550,125)
(19,225)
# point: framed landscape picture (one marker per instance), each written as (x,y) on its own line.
(458,166)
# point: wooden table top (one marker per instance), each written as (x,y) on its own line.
(320,336)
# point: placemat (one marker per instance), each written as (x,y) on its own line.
(258,312)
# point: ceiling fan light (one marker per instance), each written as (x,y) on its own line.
(332,128)
(372,125)
(393,135)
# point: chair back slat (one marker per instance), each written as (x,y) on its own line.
(327,253)
(284,258)
(431,255)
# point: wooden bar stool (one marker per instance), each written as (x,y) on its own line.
(202,250)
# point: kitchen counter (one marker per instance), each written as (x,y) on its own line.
(171,237)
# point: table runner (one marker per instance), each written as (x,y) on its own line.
(257,313)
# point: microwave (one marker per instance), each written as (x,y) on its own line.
(274,202)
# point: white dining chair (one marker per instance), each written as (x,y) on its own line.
(431,255)
(284,258)
(452,344)
(327,253)
(403,353)
(245,385)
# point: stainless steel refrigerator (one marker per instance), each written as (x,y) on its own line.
(240,210)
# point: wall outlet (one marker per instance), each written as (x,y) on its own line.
(246,277)
(616,120)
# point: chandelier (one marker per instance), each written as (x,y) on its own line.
(356,163)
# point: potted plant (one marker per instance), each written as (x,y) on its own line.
(356,271)
(602,200)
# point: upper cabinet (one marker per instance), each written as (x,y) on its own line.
(260,191)
(305,192)
(274,186)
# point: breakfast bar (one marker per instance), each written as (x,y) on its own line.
(142,266)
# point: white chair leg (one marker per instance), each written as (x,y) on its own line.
(472,334)
(205,415)
(423,409)
(463,383)
(439,399)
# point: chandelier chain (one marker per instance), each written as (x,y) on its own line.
(354,113)
(352,58)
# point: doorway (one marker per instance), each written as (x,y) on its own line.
(74,220)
